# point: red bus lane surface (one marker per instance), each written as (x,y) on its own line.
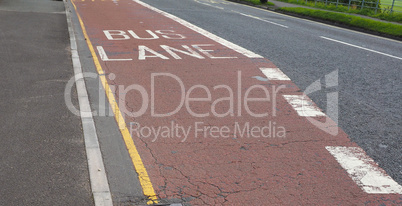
(213,123)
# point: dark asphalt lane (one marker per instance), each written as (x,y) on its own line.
(369,83)
(42,154)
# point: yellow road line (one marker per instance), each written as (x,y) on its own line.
(128,140)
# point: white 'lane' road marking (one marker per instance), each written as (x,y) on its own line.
(341,42)
(274,74)
(104,56)
(303,105)
(254,17)
(364,171)
(211,36)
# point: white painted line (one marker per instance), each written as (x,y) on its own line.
(303,105)
(274,74)
(104,56)
(370,50)
(254,17)
(211,36)
(210,5)
(97,174)
(364,171)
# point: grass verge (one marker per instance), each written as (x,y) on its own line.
(348,20)
(257,2)
(381,14)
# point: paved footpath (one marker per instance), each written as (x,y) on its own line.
(42,154)
(207,122)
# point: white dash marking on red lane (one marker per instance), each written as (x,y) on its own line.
(303,105)
(274,74)
(364,171)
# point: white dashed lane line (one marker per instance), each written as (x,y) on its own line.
(303,105)
(274,74)
(364,171)
(359,47)
(210,5)
(361,168)
(261,19)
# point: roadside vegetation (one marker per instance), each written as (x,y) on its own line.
(380,13)
(259,2)
(349,20)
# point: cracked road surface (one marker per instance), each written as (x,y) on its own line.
(215,124)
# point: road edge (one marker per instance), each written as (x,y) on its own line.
(97,175)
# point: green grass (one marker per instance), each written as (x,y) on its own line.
(388,3)
(350,20)
(257,2)
(384,15)
(396,17)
